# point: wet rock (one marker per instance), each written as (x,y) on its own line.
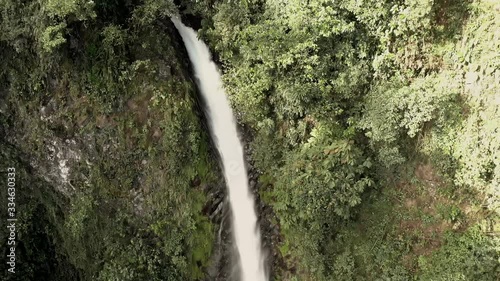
(217,211)
(253,184)
(196,182)
(56,166)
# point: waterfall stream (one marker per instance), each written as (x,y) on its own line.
(224,132)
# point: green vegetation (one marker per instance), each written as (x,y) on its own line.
(349,101)
(375,126)
(100,114)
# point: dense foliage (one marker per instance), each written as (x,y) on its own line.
(345,96)
(100,113)
(374,126)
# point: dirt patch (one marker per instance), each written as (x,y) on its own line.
(145,116)
(140,108)
(410,203)
(104,121)
(424,223)
(426,172)
(428,176)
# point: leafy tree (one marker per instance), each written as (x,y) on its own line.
(464,257)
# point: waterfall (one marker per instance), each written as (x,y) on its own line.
(224,132)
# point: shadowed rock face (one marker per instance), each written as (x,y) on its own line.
(217,208)
(111,154)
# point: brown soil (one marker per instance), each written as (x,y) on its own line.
(424,198)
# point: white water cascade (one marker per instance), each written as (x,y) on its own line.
(223,128)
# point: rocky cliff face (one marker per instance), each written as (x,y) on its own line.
(117,160)
(131,189)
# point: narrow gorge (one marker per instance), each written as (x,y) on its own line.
(224,132)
